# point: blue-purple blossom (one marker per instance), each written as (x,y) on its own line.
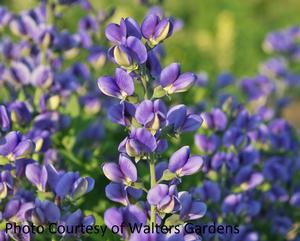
(124,172)
(183,164)
(37,175)
(151,115)
(130,54)
(173,81)
(181,120)
(164,197)
(156,30)
(138,142)
(216,119)
(190,209)
(121,86)
(118,33)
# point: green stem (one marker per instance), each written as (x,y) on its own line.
(153,183)
(50,14)
(144,82)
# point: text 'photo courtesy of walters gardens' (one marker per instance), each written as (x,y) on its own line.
(151,120)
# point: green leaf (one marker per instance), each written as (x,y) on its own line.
(173,220)
(22,95)
(133,99)
(158,92)
(68,142)
(3,160)
(138,185)
(37,95)
(73,107)
(135,124)
(167,176)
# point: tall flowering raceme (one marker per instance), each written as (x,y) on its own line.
(42,93)
(140,84)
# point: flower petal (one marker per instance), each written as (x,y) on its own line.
(179,159)
(169,74)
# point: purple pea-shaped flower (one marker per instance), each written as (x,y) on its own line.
(183,164)
(182,121)
(130,54)
(37,175)
(156,30)
(164,197)
(125,172)
(139,141)
(120,87)
(190,209)
(173,81)
(151,115)
(118,33)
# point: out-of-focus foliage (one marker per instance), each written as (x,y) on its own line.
(218,34)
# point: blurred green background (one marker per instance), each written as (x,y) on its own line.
(218,34)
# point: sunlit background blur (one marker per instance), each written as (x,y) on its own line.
(218,34)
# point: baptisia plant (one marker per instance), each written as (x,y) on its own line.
(251,166)
(140,85)
(40,82)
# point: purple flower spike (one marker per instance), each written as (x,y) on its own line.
(4,119)
(139,141)
(37,175)
(182,164)
(124,172)
(156,30)
(164,197)
(120,87)
(190,210)
(181,120)
(173,81)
